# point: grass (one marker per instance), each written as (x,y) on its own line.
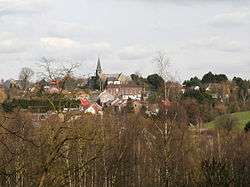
(243,117)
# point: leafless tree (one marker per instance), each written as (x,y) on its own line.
(25,76)
(162,62)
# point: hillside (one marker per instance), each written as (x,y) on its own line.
(243,117)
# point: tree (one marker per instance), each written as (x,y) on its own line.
(247,127)
(163,62)
(155,81)
(243,89)
(220,78)
(25,76)
(214,78)
(60,75)
(208,78)
(194,81)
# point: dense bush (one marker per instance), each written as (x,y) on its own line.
(198,95)
(39,105)
(247,126)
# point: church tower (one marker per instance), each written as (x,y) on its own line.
(98,68)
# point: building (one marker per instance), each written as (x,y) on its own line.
(94,109)
(101,79)
(105,98)
(125,91)
(98,68)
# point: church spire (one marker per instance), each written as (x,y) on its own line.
(98,68)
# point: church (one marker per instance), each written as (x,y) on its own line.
(117,85)
(102,79)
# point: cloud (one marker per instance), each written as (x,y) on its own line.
(135,52)
(10,43)
(16,7)
(58,43)
(231,19)
(59,46)
(216,43)
(66,29)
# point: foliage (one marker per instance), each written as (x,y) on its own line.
(243,118)
(155,81)
(200,96)
(247,126)
(214,78)
(122,150)
(40,105)
(194,81)
(138,80)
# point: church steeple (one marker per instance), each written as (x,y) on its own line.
(98,68)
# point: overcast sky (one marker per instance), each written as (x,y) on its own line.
(199,36)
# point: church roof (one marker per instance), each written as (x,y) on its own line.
(99,68)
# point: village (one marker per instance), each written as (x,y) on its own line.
(122,94)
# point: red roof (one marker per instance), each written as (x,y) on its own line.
(85,102)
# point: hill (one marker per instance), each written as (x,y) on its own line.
(243,117)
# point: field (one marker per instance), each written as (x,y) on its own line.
(243,117)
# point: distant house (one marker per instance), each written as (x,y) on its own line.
(119,104)
(85,103)
(106,97)
(94,109)
(113,80)
(125,91)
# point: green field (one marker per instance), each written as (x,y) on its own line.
(243,117)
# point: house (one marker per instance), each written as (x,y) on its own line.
(85,103)
(105,98)
(113,80)
(94,109)
(119,104)
(125,91)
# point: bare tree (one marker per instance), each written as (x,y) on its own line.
(162,62)
(51,70)
(25,76)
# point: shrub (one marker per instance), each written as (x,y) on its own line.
(247,126)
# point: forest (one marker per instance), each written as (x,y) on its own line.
(119,150)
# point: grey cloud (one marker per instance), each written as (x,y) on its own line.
(216,43)
(22,7)
(231,19)
(135,52)
(12,44)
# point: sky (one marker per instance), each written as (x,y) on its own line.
(197,35)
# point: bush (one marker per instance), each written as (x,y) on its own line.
(227,122)
(247,126)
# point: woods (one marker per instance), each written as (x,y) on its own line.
(120,150)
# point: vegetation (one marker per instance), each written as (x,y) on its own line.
(243,118)
(127,150)
(227,122)
(151,146)
(247,126)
